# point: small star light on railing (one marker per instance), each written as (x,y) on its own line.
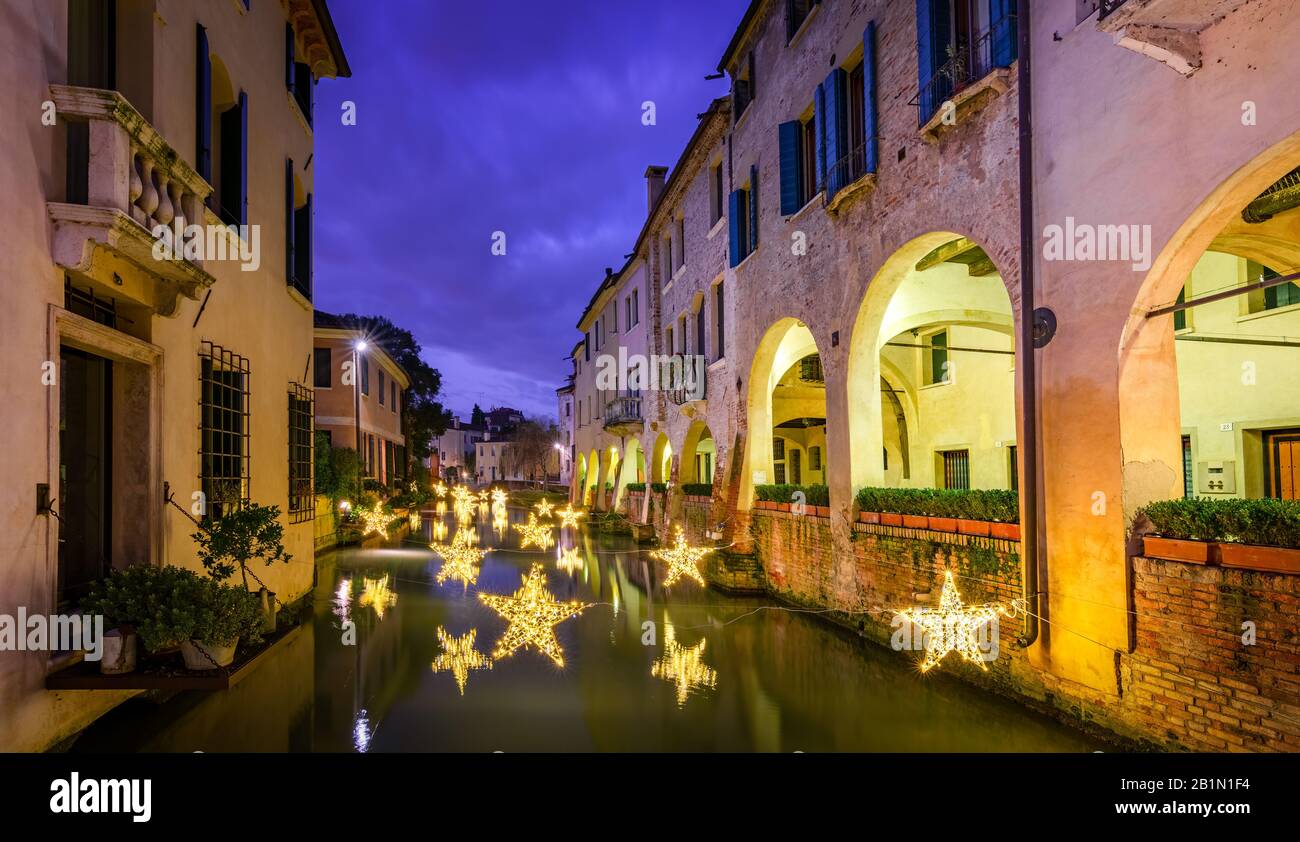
(569,516)
(952,627)
(570,561)
(683,666)
(683,560)
(373,519)
(544,508)
(460,558)
(534,534)
(458,656)
(378,594)
(532,613)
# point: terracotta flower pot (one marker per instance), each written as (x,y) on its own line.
(916,521)
(973,527)
(868,517)
(890,519)
(943,524)
(1177,549)
(1266,559)
(1005,531)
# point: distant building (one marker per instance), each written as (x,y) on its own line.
(453,451)
(566,422)
(502,420)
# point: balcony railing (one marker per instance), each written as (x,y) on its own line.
(844,172)
(133,182)
(624,409)
(967,63)
(682,396)
(1106,7)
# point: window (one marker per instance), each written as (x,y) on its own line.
(297,235)
(936,359)
(1282,295)
(857,134)
(960,42)
(324,368)
(382,386)
(298,77)
(808,163)
(719,340)
(370,456)
(796,12)
(956,468)
(365,373)
(668,256)
(636,306)
(668,340)
(778,449)
(392,404)
(681,242)
(1013,467)
(302,499)
(699,330)
(796,467)
(223,429)
(232,160)
(1180,316)
(814,458)
(1188,488)
(716,198)
(743,219)
(613,308)
(742,89)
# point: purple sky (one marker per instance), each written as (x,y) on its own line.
(511,116)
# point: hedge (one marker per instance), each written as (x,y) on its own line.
(814,495)
(657,487)
(1265,522)
(636,486)
(698,489)
(983,504)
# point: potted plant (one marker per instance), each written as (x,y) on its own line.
(218,617)
(238,537)
(140,602)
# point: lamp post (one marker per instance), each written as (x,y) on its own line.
(357,348)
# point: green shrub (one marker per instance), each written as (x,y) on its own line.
(659,487)
(228,543)
(974,504)
(1265,522)
(698,489)
(814,495)
(636,486)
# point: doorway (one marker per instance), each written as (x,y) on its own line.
(1282,463)
(85,466)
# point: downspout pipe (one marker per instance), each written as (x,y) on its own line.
(1031,549)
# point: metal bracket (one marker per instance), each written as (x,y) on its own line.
(1044,326)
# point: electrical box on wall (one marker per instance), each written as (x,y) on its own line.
(1216,477)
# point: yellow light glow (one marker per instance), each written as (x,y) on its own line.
(500,522)
(570,561)
(458,656)
(460,558)
(683,560)
(440,490)
(534,534)
(378,594)
(463,503)
(374,519)
(952,627)
(532,613)
(414,520)
(683,666)
(544,508)
(499,497)
(439,530)
(569,516)
(441,508)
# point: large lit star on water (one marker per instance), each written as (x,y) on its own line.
(458,656)
(532,613)
(684,666)
(460,559)
(374,519)
(534,534)
(569,516)
(683,560)
(952,627)
(544,508)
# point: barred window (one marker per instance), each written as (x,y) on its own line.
(223,429)
(302,500)
(956,468)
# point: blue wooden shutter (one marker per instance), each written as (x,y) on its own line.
(242,207)
(290,258)
(734,230)
(836,125)
(819,129)
(924,59)
(791,175)
(302,242)
(872,128)
(203,108)
(752,225)
(1003,23)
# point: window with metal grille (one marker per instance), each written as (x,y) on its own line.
(778,449)
(1013,465)
(780,474)
(810,369)
(84,302)
(814,458)
(956,468)
(302,501)
(1188,489)
(223,429)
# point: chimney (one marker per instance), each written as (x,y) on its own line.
(654,180)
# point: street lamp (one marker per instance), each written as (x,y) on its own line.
(358,348)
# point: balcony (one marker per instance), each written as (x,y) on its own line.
(133,181)
(1165,30)
(623,415)
(845,178)
(972,74)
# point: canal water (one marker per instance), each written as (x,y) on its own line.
(386,664)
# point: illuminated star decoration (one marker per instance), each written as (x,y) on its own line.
(570,561)
(440,490)
(544,508)
(439,530)
(500,522)
(499,497)
(953,627)
(534,534)
(683,560)
(684,666)
(378,595)
(373,519)
(532,613)
(458,656)
(569,516)
(414,519)
(460,559)
(462,503)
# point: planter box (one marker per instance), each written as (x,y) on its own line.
(980,528)
(1005,531)
(943,524)
(1265,559)
(782,507)
(916,521)
(765,505)
(890,519)
(1177,549)
(819,511)
(868,517)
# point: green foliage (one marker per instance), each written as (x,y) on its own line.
(374,486)
(982,504)
(698,489)
(338,470)
(659,487)
(814,495)
(636,486)
(238,537)
(1265,522)
(169,605)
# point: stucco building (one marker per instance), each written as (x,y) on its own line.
(156,375)
(853,239)
(454,450)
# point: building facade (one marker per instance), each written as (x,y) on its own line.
(359,392)
(454,451)
(133,120)
(852,240)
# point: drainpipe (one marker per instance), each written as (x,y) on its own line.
(1030,547)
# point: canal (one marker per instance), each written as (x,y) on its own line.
(386,664)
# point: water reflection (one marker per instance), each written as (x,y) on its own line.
(644,668)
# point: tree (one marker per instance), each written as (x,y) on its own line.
(478,418)
(423,416)
(531,449)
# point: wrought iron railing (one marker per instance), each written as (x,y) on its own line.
(967,63)
(1106,7)
(844,172)
(685,395)
(624,409)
